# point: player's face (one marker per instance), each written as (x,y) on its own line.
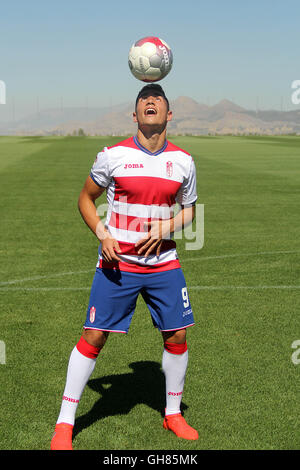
(152,111)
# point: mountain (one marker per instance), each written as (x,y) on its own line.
(45,121)
(184,107)
(189,117)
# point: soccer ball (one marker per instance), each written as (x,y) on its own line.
(150,59)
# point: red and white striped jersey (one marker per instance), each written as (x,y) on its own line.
(142,186)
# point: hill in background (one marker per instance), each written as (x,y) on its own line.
(189,117)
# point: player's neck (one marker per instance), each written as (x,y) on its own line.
(152,141)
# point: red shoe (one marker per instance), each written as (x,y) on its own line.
(180,427)
(62,437)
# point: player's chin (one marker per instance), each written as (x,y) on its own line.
(153,123)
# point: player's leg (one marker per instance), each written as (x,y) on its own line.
(81,365)
(172,314)
(110,309)
(96,338)
(174,365)
(82,362)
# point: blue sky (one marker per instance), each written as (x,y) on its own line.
(75,53)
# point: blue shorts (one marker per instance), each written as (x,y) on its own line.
(114,294)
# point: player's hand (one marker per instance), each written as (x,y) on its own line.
(158,230)
(109,248)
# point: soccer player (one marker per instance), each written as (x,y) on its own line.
(144,177)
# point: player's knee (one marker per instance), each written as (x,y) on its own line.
(178,336)
(95,337)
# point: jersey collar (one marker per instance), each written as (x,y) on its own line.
(141,147)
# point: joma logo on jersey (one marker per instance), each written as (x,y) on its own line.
(133,165)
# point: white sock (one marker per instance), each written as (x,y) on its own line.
(174,367)
(79,371)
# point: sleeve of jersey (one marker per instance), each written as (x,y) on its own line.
(100,170)
(187,194)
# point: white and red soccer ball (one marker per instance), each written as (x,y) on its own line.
(150,59)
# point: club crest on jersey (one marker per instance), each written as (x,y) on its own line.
(133,165)
(169,169)
(92,314)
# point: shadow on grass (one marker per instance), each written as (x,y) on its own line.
(120,393)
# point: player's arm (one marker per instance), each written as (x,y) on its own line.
(184,218)
(87,208)
(160,230)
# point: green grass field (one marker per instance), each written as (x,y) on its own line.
(242,388)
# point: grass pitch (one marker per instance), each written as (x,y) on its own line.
(242,388)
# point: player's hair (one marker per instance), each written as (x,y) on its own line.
(152,89)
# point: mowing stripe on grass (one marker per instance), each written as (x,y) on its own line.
(38,278)
(71,273)
(6,289)
(241,287)
(237,255)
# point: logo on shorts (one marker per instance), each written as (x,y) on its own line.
(169,169)
(187,312)
(92,314)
